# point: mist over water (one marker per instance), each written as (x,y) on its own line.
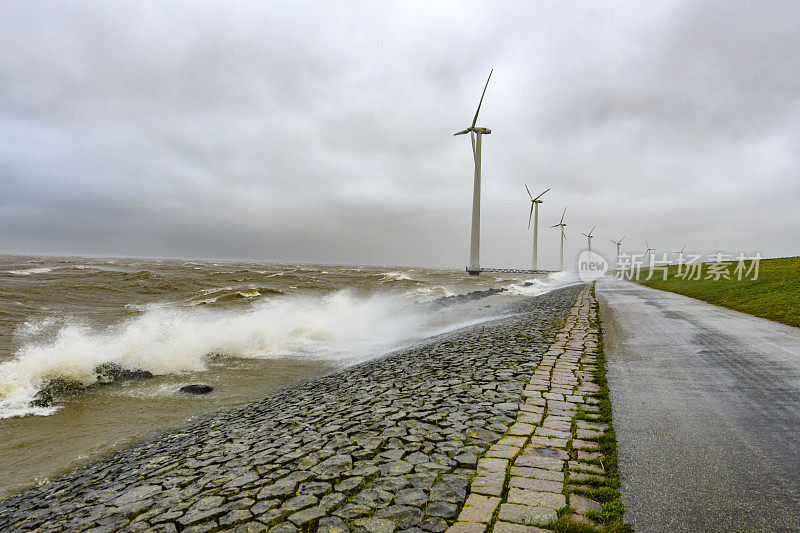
(245,328)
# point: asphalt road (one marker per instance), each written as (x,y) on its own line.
(707,412)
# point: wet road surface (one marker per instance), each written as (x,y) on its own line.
(707,412)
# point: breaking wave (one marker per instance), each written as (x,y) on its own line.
(172,340)
(395,276)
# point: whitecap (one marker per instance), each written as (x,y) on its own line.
(29,271)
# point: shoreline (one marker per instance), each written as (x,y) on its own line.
(256,441)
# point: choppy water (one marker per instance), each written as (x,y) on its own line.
(245,328)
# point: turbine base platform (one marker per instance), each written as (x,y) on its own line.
(508,271)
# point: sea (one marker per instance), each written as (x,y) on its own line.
(245,328)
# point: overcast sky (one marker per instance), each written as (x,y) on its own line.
(322,131)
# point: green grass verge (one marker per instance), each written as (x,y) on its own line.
(774,295)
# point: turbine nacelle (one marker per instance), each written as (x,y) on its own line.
(475,129)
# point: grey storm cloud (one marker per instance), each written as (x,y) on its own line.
(322,132)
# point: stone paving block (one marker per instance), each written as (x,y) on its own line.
(535,390)
(534,405)
(491,464)
(583,424)
(464,527)
(479,509)
(537,461)
(504,452)
(532,418)
(582,505)
(580,477)
(513,441)
(563,406)
(521,428)
(508,527)
(562,412)
(585,434)
(587,445)
(306,517)
(584,455)
(535,498)
(547,432)
(559,423)
(550,442)
(542,485)
(526,515)
(539,473)
(373,525)
(402,516)
(490,484)
(578,465)
(553,396)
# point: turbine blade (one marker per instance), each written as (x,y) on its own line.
(529,191)
(474,153)
(539,195)
(622,238)
(564,213)
(529,216)
(474,120)
(584,234)
(555,225)
(461,132)
(592,230)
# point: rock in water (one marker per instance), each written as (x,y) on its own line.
(110,372)
(197,388)
(57,388)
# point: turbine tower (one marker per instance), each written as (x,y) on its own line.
(562,225)
(475,133)
(680,254)
(589,237)
(618,243)
(649,250)
(535,212)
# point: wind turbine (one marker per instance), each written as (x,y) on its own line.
(618,243)
(589,236)
(474,267)
(534,211)
(562,225)
(680,254)
(649,250)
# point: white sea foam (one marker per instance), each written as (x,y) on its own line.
(395,276)
(536,286)
(430,293)
(249,293)
(29,271)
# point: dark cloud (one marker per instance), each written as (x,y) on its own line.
(323,132)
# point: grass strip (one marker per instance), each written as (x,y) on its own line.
(775,294)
